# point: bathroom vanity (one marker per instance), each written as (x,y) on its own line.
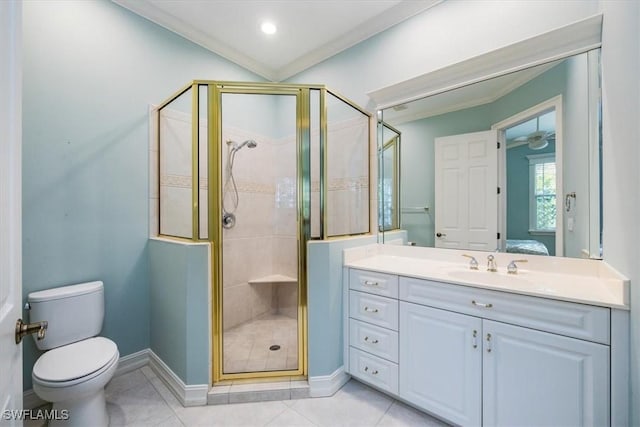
(545,346)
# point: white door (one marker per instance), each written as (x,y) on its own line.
(441,362)
(466,183)
(10,207)
(533,378)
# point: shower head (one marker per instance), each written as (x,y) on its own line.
(249,143)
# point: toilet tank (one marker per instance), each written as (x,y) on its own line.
(73,312)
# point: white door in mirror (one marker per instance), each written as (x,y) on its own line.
(466,196)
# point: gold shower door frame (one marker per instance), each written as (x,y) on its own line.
(215,92)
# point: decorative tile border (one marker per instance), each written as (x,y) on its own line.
(184,181)
(343,184)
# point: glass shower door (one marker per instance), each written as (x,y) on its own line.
(260,234)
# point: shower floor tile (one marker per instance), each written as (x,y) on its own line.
(247,346)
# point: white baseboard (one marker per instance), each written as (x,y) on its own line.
(187,395)
(328,385)
(131,362)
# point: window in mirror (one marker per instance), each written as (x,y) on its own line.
(542,194)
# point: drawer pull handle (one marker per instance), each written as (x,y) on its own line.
(370,310)
(372,341)
(371,283)
(373,372)
(488,343)
(475,339)
(480,304)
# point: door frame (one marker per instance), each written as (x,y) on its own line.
(215,153)
(554,103)
(11,393)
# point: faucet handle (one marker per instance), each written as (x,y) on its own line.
(473,264)
(512,268)
(491,264)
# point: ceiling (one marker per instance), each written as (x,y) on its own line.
(309,31)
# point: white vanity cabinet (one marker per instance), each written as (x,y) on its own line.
(482,357)
(441,362)
(535,378)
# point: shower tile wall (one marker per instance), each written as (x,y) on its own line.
(249,249)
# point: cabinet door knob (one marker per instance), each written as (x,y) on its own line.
(488,343)
(370,310)
(481,304)
(373,371)
(370,341)
(475,339)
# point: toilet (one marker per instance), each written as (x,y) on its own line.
(77,364)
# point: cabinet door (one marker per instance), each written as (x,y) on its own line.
(534,378)
(441,362)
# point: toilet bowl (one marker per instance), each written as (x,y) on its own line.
(78,365)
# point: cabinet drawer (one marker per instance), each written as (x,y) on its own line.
(374,309)
(374,283)
(373,370)
(374,339)
(565,318)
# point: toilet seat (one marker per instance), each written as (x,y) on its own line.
(75,363)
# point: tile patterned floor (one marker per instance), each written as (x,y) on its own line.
(246,347)
(140,398)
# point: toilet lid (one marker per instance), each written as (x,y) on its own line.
(75,360)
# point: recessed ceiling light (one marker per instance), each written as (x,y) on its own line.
(268,27)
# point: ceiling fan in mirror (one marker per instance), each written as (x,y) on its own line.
(539,139)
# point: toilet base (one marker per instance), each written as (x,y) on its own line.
(86,411)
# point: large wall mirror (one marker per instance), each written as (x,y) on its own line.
(510,163)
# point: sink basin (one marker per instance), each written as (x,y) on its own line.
(490,278)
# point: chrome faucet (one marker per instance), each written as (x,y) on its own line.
(491,264)
(473,263)
(512,268)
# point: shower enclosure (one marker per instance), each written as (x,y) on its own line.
(258,170)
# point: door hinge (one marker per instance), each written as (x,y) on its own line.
(498,145)
(498,190)
(498,235)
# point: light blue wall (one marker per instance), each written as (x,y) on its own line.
(91,69)
(179,308)
(324,290)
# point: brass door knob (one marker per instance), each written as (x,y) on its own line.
(24,329)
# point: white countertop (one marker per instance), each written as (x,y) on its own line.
(583,281)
